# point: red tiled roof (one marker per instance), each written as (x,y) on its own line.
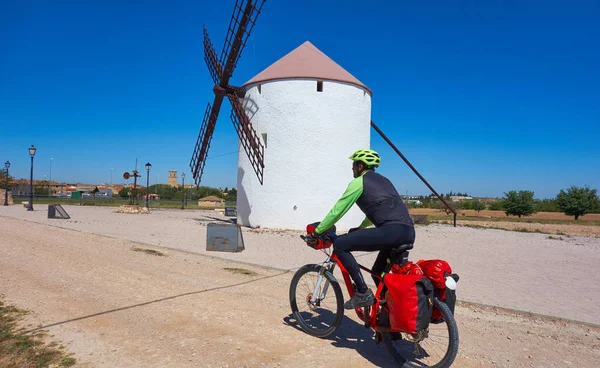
(306,61)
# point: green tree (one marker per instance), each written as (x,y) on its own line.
(546,205)
(164,191)
(477,205)
(467,204)
(231,195)
(496,206)
(577,201)
(3,181)
(519,203)
(124,193)
(40,190)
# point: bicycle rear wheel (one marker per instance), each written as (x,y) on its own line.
(318,317)
(436,348)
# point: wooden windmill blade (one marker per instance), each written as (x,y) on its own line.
(243,19)
(202,145)
(210,57)
(245,13)
(248,137)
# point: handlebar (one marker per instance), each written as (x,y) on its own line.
(319,242)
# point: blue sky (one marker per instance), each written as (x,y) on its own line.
(482,96)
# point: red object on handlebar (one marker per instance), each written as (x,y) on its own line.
(314,241)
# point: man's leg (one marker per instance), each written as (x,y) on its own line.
(401,234)
(361,240)
(370,239)
(379,264)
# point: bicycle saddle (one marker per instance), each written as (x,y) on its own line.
(402,248)
(399,255)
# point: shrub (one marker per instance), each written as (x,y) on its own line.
(577,201)
(519,203)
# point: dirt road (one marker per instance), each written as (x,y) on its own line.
(515,270)
(116,307)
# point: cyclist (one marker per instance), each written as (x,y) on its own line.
(378,199)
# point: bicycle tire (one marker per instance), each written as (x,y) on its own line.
(451,351)
(338,296)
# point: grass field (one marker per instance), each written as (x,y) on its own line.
(499,216)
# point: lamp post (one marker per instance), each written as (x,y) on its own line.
(148,166)
(182,190)
(6,166)
(50,179)
(32,150)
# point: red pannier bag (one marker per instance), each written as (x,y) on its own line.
(409,268)
(408,301)
(437,270)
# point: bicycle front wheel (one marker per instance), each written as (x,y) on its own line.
(436,347)
(317,301)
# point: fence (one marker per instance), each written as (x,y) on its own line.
(113,201)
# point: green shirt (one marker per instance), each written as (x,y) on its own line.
(350,196)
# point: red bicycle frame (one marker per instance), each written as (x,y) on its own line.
(372,320)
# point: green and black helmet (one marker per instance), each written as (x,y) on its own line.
(367,156)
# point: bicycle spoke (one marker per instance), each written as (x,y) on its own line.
(316,302)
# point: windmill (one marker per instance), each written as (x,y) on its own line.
(221,70)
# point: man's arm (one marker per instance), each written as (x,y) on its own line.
(350,196)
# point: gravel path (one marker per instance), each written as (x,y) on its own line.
(115,307)
(524,271)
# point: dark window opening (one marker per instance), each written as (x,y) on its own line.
(259,88)
(319,86)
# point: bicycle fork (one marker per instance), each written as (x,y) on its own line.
(316,296)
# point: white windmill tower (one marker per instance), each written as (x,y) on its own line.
(310,115)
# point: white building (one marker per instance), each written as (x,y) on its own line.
(311,115)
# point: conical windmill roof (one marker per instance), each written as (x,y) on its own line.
(306,61)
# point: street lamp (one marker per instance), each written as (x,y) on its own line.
(6,166)
(32,150)
(148,167)
(50,181)
(182,190)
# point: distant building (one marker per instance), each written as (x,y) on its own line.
(172,178)
(459,198)
(21,187)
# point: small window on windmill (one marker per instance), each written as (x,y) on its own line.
(264,135)
(319,86)
(259,88)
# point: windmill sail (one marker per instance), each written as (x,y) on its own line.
(245,13)
(202,145)
(248,137)
(242,22)
(210,57)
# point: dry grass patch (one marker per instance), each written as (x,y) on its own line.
(240,271)
(19,350)
(148,251)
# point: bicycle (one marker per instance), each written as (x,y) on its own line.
(408,350)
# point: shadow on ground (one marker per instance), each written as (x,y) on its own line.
(39,328)
(354,336)
(227,221)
